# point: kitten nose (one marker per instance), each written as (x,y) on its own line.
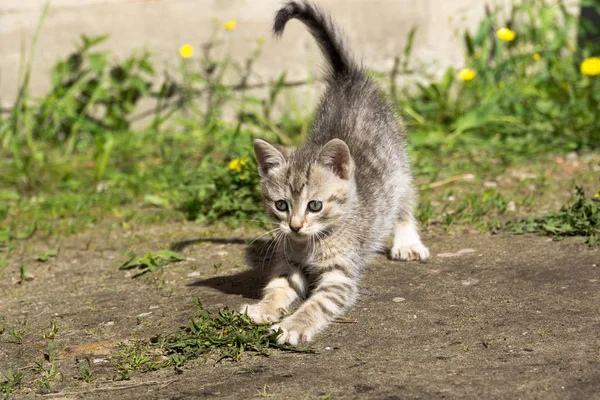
(295,228)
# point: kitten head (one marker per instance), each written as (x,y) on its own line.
(309,192)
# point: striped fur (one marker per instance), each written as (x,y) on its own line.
(355,164)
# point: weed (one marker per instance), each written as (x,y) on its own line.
(23,276)
(47,255)
(18,332)
(86,374)
(134,357)
(223,334)
(217,266)
(227,334)
(46,367)
(151,262)
(579,217)
(263,392)
(51,331)
(9,383)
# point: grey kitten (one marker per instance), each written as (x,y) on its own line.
(336,198)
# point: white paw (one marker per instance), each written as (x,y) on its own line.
(260,314)
(292,333)
(413,252)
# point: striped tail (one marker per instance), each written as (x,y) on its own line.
(325,32)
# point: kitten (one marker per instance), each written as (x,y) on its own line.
(336,198)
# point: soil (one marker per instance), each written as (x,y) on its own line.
(489,316)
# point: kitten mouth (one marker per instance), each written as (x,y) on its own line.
(298,236)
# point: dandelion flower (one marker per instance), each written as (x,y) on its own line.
(591,66)
(597,195)
(536,56)
(466,74)
(237,164)
(229,25)
(186,51)
(505,34)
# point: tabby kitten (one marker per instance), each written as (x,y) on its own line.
(336,198)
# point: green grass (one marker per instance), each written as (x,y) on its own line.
(86,374)
(216,335)
(151,262)
(10,382)
(579,217)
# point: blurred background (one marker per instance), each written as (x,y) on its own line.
(109,105)
(377,30)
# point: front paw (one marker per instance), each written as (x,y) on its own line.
(292,333)
(414,252)
(259,314)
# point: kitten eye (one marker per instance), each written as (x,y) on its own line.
(281,205)
(315,206)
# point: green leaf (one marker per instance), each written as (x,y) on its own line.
(9,195)
(47,255)
(151,262)
(157,201)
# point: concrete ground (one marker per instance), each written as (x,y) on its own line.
(503,317)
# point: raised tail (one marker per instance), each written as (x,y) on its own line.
(325,32)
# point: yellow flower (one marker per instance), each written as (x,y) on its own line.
(237,164)
(591,66)
(536,56)
(466,74)
(229,25)
(505,34)
(186,51)
(597,195)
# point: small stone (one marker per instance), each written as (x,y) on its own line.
(101,187)
(469,282)
(193,274)
(145,314)
(451,198)
(572,156)
(222,253)
(398,299)
(327,348)
(490,184)
(458,253)
(99,360)
(153,307)
(511,206)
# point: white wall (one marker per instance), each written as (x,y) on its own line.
(376,29)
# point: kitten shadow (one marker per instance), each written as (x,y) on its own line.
(247,283)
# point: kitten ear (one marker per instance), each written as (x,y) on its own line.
(267,155)
(336,156)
